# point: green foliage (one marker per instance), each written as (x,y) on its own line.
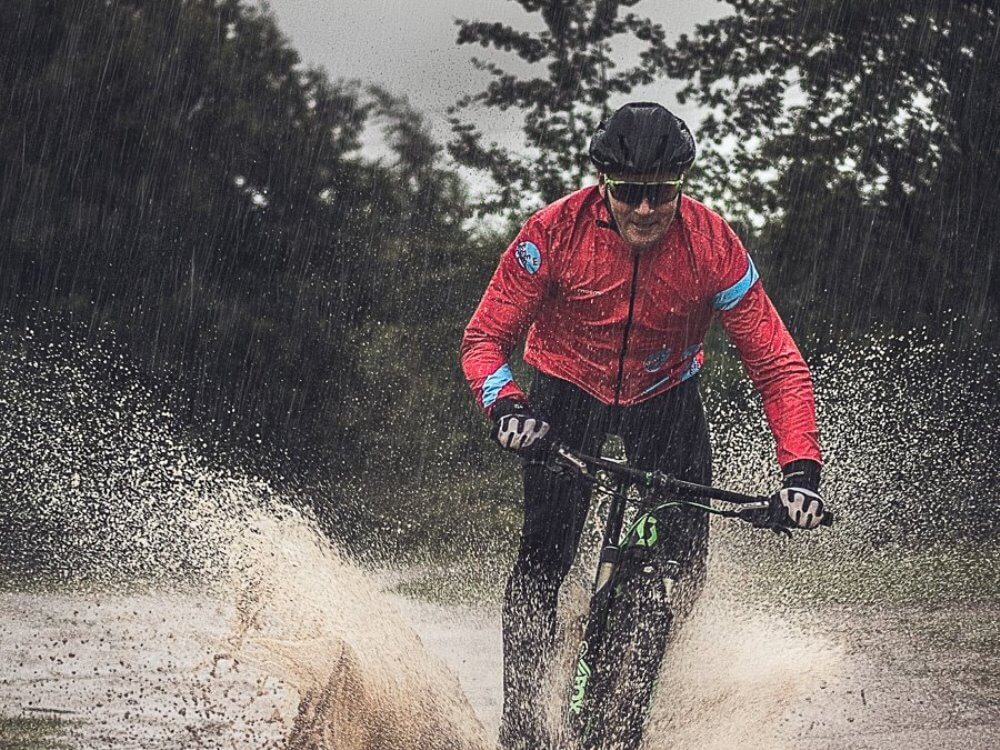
(562,106)
(31,732)
(407,357)
(172,173)
(863,140)
(170,170)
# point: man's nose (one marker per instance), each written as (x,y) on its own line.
(645,207)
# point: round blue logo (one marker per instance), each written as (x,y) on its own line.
(656,360)
(528,256)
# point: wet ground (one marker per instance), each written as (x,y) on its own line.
(920,676)
(135,671)
(911,677)
(159,671)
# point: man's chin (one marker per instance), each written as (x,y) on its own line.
(643,240)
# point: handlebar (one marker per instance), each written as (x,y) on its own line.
(657,480)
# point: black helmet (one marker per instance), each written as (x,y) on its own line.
(642,138)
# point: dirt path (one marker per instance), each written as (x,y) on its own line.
(135,672)
(920,677)
(150,671)
(908,677)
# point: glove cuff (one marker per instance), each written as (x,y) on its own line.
(802,473)
(507,405)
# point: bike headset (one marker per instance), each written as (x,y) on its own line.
(642,138)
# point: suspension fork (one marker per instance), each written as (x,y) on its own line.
(590,680)
(611,541)
(600,656)
(649,620)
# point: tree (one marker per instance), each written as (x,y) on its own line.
(863,140)
(172,173)
(406,348)
(563,106)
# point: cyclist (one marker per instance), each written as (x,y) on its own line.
(614,287)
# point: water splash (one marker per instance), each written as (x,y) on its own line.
(734,674)
(194,596)
(309,615)
(908,426)
(731,675)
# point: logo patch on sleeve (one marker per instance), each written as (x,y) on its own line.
(657,359)
(528,256)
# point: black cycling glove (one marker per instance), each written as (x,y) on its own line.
(798,502)
(515,427)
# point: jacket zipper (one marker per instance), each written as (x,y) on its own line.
(628,328)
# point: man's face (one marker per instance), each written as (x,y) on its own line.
(642,225)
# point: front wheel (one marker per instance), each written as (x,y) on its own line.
(624,643)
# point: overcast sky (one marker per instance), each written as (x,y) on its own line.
(409,48)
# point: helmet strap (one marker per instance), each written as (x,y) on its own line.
(613,224)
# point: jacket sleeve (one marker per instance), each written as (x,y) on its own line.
(506,311)
(769,355)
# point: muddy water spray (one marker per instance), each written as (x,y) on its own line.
(239,624)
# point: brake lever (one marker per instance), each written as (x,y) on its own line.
(761,516)
(560,453)
(764,520)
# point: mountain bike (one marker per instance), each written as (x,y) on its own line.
(613,682)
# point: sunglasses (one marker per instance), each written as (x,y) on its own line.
(633,193)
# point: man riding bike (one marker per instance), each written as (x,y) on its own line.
(614,287)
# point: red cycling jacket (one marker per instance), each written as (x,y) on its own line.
(626,326)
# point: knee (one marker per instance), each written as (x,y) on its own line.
(553,518)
